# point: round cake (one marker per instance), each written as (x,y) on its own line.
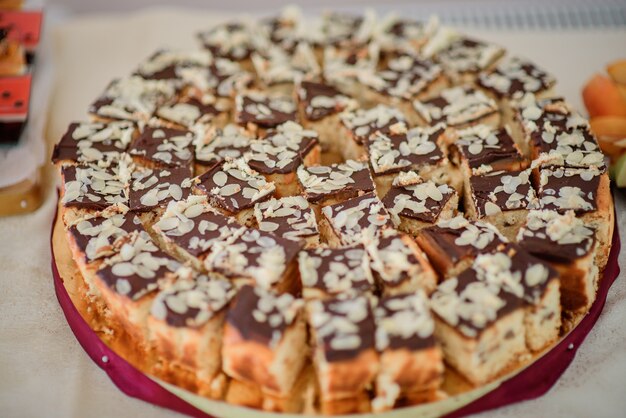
(334,215)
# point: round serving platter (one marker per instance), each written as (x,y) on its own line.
(528,382)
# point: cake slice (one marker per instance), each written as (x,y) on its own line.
(190,228)
(95,237)
(151,190)
(259,111)
(222,79)
(358,125)
(232,40)
(88,189)
(403,79)
(186,112)
(586,191)
(570,247)
(279,70)
(532,117)
(354,221)
(532,280)
(331,272)
(279,154)
(163,147)
(459,107)
(344,353)
(414,203)
(416,150)
(185,328)
(501,198)
(464,59)
(511,79)
(345,66)
(219,144)
(127,283)
(479,326)
(452,245)
(484,149)
(165,64)
(290,218)
(93,143)
(265,345)
(257,257)
(132,98)
(234,188)
(400,35)
(328,185)
(411,363)
(319,107)
(399,265)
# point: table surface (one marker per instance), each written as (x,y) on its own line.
(44,371)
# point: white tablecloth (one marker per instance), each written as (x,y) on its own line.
(44,371)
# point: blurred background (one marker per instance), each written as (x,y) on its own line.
(488,13)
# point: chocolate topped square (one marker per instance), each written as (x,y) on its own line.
(282,150)
(456,106)
(515,77)
(404,322)
(153,188)
(399,34)
(165,63)
(552,115)
(398,263)
(190,111)
(263,316)
(362,123)
(165,147)
(191,303)
(319,100)
(92,142)
(320,182)
(138,269)
(195,227)
(466,55)
(501,191)
(132,98)
(404,77)
(563,189)
(234,186)
(576,148)
(412,197)
(335,271)
(101,235)
(285,29)
(223,78)
(228,143)
(481,147)
(342,328)
(232,40)
(275,66)
(93,187)
(263,110)
(516,271)
(459,238)
(357,219)
(288,217)
(560,238)
(260,256)
(401,149)
(470,305)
